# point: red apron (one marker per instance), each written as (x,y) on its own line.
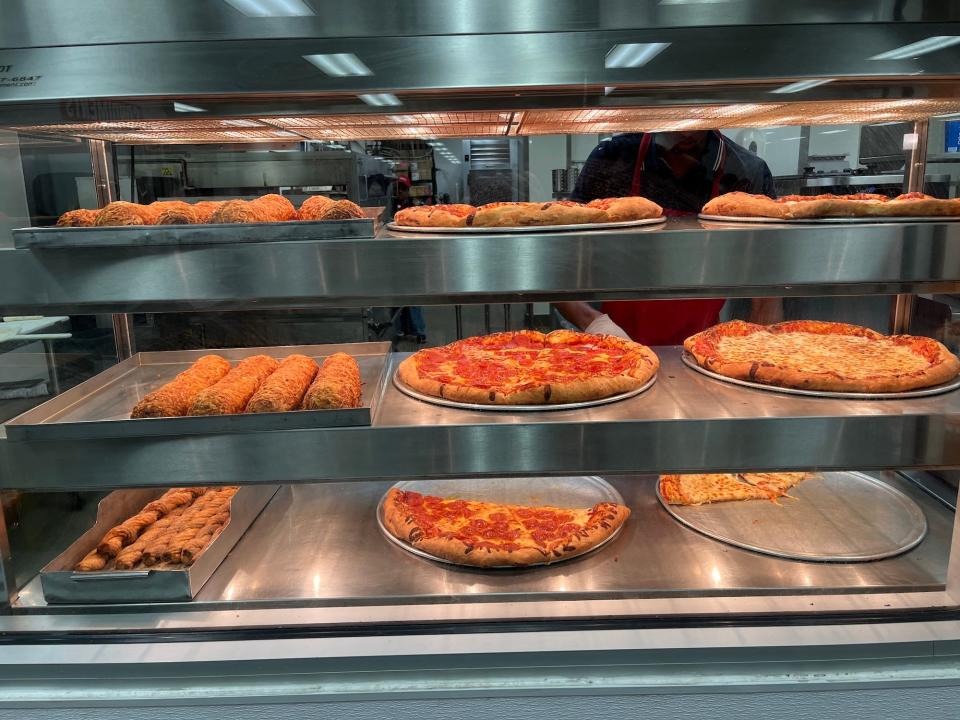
(666,322)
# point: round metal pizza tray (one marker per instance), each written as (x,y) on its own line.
(563,492)
(407,390)
(832,517)
(690,362)
(525,228)
(827,220)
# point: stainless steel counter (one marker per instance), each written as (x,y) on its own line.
(682,258)
(685,423)
(320,545)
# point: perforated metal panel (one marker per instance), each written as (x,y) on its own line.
(398,125)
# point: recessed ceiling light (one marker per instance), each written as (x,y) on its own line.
(801,86)
(633,55)
(339,64)
(380,99)
(931,44)
(271,8)
(183,107)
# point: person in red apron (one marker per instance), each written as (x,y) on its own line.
(680,172)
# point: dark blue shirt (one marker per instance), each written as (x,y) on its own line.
(608,172)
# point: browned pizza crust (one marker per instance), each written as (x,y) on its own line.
(457,215)
(627,208)
(524,214)
(598,524)
(741,204)
(818,355)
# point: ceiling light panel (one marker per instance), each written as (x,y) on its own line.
(633,55)
(923,47)
(271,8)
(801,86)
(339,64)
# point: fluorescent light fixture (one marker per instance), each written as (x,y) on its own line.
(801,86)
(798,137)
(380,99)
(834,132)
(890,122)
(271,8)
(339,64)
(183,107)
(633,55)
(931,44)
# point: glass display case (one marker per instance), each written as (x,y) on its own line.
(302,597)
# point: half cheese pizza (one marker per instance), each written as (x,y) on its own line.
(797,207)
(485,534)
(814,355)
(699,489)
(528,367)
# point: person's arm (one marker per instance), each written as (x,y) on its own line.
(766,310)
(589,319)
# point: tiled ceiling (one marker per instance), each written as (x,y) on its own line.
(473,124)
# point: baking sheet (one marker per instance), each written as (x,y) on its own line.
(526,228)
(61,584)
(139,235)
(831,517)
(563,492)
(407,390)
(690,362)
(828,220)
(100,407)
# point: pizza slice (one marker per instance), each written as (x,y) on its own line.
(699,489)
(484,534)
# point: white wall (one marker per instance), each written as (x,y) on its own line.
(547,153)
(778,146)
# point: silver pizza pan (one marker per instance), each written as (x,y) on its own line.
(525,228)
(407,390)
(946,387)
(828,220)
(562,492)
(832,517)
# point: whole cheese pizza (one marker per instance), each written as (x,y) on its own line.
(814,355)
(489,534)
(529,367)
(724,487)
(796,207)
(529,214)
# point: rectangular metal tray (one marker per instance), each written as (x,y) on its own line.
(100,407)
(62,585)
(139,235)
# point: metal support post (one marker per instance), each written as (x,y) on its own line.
(105,182)
(901,310)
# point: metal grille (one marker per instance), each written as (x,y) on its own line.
(465,124)
(490,154)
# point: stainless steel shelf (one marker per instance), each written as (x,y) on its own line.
(288,557)
(683,258)
(685,423)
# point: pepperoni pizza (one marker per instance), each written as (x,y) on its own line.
(528,367)
(485,534)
